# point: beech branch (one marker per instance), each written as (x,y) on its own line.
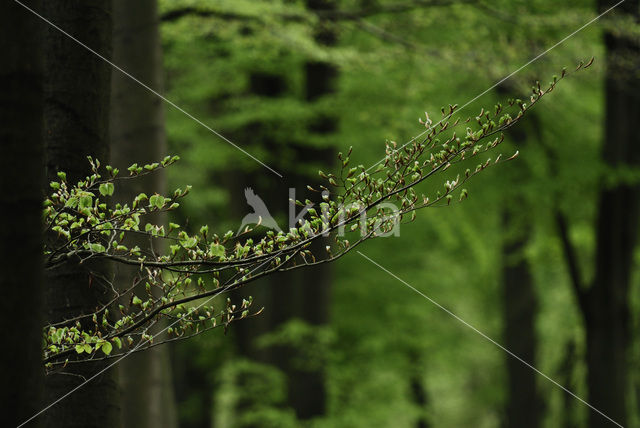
(571,259)
(82,226)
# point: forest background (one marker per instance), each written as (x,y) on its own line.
(541,257)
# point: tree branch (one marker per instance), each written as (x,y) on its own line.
(337,15)
(358,192)
(571,259)
(580,289)
(324,14)
(176,14)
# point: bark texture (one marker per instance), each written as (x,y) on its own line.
(76,113)
(21,232)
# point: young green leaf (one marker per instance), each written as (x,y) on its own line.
(216,250)
(106,189)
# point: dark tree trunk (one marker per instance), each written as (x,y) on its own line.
(419,394)
(299,295)
(192,385)
(307,389)
(524,406)
(21,234)
(137,135)
(302,295)
(76,113)
(305,294)
(605,305)
(274,192)
(566,378)
(278,294)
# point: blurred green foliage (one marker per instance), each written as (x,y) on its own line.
(393,67)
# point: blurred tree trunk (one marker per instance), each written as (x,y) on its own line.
(419,394)
(138,135)
(303,295)
(192,384)
(307,389)
(273,191)
(566,378)
(21,233)
(605,304)
(76,114)
(524,406)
